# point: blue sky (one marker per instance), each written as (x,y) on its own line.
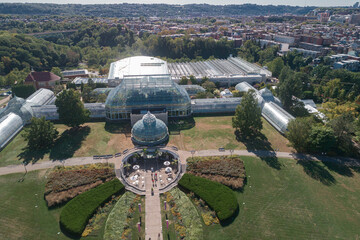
(262,2)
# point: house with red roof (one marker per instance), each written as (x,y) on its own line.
(42,79)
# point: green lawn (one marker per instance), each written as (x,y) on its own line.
(216,131)
(95,138)
(98,138)
(299,201)
(24,214)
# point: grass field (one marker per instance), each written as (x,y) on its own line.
(216,132)
(299,201)
(95,138)
(98,138)
(24,214)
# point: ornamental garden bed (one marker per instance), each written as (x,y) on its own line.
(77,212)
(227,170)
(219,197)
(65,183)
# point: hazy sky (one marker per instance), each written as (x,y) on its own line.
(221,2)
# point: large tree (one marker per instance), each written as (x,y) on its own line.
(40,134)
(322,139)
(70,108)
(298,133)
(247,119)
(290,85)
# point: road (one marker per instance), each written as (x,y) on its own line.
(5,100)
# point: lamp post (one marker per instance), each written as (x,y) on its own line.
(192,153)
(231,152)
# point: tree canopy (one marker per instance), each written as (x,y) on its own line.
(70,108)
(40,134)
(247,119)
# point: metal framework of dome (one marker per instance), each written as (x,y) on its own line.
(149,131)
(147,93)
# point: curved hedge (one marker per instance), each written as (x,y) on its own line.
(219,197)
(77,212)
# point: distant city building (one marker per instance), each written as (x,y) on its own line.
(42,79)
(351,65)
(284,39)
(71,74)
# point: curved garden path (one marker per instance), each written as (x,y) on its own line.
(351,162)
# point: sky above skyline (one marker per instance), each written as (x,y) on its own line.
(215,2)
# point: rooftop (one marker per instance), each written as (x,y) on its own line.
(137,66)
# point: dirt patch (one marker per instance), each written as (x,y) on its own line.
(207,126)
(119,142)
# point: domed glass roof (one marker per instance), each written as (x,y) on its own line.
(147,90)
(149,131)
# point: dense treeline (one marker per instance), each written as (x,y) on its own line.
(138,10)
(20,52)
(96,44)
(184,47)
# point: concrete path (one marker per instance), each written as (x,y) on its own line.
(50,164)
(153,225)
(350,162)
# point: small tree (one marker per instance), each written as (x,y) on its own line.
(247,117)
(184,80)
(70,108)
(41,134)
(209,86)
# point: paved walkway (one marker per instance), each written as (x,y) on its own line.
(153,225)
(183,156)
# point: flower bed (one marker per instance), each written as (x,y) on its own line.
(219,197)
(188,222)
(124,217)
(227,170)
(66,183)
(77,212)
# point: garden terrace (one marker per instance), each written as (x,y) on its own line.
(162,162)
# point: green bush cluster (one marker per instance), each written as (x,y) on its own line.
(219,197)
(78,211)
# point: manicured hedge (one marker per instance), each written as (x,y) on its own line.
(77,212)
(219,197)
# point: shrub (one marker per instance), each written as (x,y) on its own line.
(219,197)
(77,212)
(23,91)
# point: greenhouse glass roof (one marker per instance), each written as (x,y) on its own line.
(137,92)
(10,125)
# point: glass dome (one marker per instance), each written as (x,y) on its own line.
(149,131)
(152,93)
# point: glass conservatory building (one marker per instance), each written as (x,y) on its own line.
(139,94)
(149,131)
